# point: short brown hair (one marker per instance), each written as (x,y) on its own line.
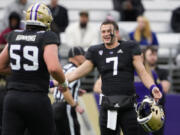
(153,49)
(116,27)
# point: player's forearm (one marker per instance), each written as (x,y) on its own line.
(68,97)
(58,75)
(75,75)
(72,76)
(146,79)
(81,71)
(143,74)
(4,61)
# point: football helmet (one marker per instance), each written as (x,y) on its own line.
(150,115)
(39,15)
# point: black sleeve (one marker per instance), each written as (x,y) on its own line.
(50,38)
(90,55)
(136,49)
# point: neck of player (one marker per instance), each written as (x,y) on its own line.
(112,45)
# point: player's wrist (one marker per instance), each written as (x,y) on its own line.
(65,84)
(152,87)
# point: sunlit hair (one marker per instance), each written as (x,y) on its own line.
(146,32)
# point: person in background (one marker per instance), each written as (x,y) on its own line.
(60,17)
(128,9)
(175,20)
(14,23)
(65,116)
(143,34)
(82,33)
(18,6)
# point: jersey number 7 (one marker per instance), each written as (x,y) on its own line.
(115,64)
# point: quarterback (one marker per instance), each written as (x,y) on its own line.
(116,61)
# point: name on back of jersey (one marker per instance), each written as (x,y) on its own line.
(26,38)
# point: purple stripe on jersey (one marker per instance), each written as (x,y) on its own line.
(31,13)
(36,11)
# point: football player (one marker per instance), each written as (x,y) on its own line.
(116,61)
(32,54)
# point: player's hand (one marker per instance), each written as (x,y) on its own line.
(81,92)
(156,94)
(79,109)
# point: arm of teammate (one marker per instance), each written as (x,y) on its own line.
(97,86)
(55,69)
(4,62)
(145,77)
(81,71)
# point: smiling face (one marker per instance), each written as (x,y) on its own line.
(108,34)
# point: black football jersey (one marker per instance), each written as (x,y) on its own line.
(29,71)
(115,66)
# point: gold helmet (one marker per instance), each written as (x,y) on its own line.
(39,15)
(150,116)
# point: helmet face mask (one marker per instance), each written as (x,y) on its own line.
(150,115)
(39,15)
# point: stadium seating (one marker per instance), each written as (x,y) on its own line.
(171,40)
(107,4)
(100,15)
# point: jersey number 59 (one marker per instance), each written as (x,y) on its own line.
(30,53)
